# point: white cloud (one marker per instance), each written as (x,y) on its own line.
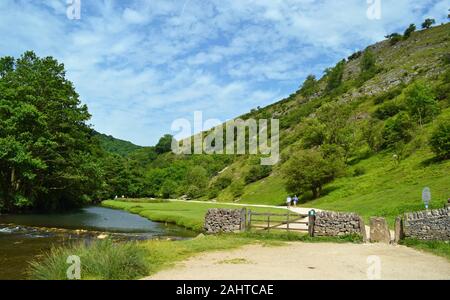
(141,64)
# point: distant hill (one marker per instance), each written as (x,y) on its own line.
(116,146)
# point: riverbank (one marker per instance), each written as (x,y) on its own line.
(102,260)
(30,237)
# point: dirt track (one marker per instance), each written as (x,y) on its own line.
(311,261)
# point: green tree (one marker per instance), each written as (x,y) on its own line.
(394,38)
(164,144)
(196,181)
(169,189)
(309,87)
(310,170)
(257,172)
(409,31)
(428,23)
(397,129)
(420,101)
(314,133)
(335,75)
(440,140)
(372,134)
(368,61)
(46,149)
(237,189)
(368,65)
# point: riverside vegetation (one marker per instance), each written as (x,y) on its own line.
(366,137)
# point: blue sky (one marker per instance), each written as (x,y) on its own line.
(139,65)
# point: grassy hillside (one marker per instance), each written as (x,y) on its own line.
(360,113)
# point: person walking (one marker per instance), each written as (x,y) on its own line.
(295,200)
(288,201)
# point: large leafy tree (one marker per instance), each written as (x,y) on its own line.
(310,170)
(421,102)
(46,151)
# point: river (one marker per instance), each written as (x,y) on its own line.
(26,237)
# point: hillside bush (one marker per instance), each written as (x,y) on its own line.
(397,129)
(421,102)
(257,172)
(440,140)
(387,110)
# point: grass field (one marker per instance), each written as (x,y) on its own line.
(441,248)
(187,214)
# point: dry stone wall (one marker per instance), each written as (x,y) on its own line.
(329,223)
(219,220)
(428,225)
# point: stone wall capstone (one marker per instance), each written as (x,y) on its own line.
(219,220)
(428,225)
(330,223)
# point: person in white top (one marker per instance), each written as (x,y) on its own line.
(288,201)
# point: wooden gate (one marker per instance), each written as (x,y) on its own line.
(271,221)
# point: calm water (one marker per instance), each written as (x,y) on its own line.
(25,237)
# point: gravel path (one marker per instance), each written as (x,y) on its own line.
(311,261)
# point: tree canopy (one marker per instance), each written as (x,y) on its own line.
(46,149)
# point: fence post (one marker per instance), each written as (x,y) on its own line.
(311,222)
(249,219)
(243,225)
(268,223)
(287,223)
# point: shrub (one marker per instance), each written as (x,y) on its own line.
(193,192)
(446,59)
(409,31)
(257,172)
(440,140)
(389,95)
(237,189)
(394,38)
(355,55)
(372,133)
(103,260)
(222,182)
(428,23)
(335,75)
(397,129)
(421,102)
(387,110)
(213,193)
(359,171)
(309,87)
